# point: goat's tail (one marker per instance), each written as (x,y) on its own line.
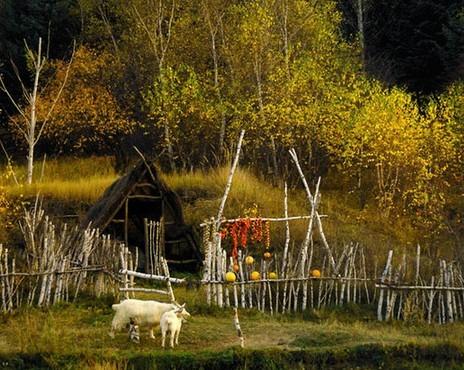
(115,307)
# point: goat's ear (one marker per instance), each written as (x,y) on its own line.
(183,306)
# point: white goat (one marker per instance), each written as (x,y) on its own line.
(145,313)
(171,321)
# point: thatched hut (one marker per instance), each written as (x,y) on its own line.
(139,196)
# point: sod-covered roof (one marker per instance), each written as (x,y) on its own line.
(142,179)
(142,195)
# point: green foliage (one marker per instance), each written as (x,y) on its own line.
(177,101)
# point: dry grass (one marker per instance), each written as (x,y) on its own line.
(202,192)
(85,190)
(73,181)
(66,179)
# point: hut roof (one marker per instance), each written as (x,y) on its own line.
(101,214)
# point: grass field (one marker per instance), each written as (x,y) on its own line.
(76,336)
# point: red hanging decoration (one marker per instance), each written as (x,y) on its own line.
(233,232)
(256,230)
(267,235)
(244,227)
(239,230)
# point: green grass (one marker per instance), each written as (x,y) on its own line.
(75,336)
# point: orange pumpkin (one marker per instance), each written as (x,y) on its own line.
(236,267)
(255,275)
(267,255)
(316,273)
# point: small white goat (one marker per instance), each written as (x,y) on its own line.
(171,321)
(145,313)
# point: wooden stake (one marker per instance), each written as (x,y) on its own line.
(238,328)
(382,280)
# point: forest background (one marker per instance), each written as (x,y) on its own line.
(370,93)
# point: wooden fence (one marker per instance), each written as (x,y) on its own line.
(59,262)
(288,280)
(56,264)
(438,298)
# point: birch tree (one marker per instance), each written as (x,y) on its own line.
(213,15)
(30,127)
(157,22)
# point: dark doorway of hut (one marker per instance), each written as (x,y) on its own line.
(141,210)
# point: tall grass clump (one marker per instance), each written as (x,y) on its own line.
(206,188)
(66,179)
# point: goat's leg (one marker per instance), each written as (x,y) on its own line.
(172,338)
(177,337)
(163,338)
(115,326)
(152,335)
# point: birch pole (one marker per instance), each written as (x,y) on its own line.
(219,272)
(165,266)
(382,280)
(287,230)
(125,278)
(242,278)
(238,328)
(229,181)
(235,290)
(430,301)
(449,306)
(207,271)
(317,216)
(307,241)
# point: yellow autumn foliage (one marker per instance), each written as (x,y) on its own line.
(86,118)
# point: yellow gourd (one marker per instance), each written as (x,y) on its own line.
(231,277)
(249,260)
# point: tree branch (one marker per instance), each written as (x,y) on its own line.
(57,96)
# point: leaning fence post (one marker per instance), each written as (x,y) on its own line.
(168,281)
(124,267)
